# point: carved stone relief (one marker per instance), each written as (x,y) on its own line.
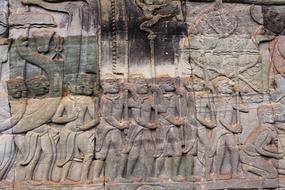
(142,94)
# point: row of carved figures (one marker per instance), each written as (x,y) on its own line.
(155,128)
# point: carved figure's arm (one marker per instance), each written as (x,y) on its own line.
(59,117)
(174,120)
(107,116)
(209,123)
(95,117)
(263,140)
(235,128)
(133,104)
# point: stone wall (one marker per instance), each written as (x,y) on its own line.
(142,94)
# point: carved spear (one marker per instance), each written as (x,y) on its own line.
(115,54)
(237,103)
(28,26)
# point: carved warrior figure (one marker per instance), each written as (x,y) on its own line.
(155,10)
(217,138)
(168,139)
(189,130)
(140,140)
(261,150)
(109,141)
(78,112)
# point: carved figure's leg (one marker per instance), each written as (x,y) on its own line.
(47,151)
(233,148)
(148,160)
(99,165)
(208,167)
(30,168)
(85,146)
(159,163)
(189,166)
(258,166)
(220,154)
(65,171)
(100,157)
(133,159)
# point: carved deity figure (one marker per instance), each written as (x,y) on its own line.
(168,137)
(109,133)
(218,139)
(261,150)
(155,10)
(140,140)
(80,115)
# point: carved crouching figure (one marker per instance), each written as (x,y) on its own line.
(109,141)
(79,114)
(140,144)
(260,152)
(168,138)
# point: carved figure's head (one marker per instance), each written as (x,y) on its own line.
(110,84)
(84,85)
(38,85)
(141,85)
(17,88)
(223,85)
(265,114)
(167,83)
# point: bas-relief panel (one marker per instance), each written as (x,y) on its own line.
(142,94)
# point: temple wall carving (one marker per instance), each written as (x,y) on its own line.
(142,94)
